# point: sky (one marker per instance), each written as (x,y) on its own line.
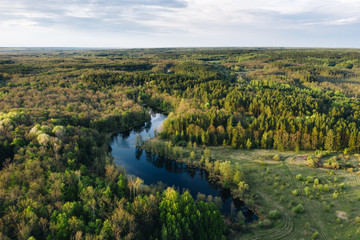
(179,23)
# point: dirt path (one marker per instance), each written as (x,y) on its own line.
(309,208)
(280,233)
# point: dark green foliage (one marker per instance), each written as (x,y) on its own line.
(298,209)
(274,214)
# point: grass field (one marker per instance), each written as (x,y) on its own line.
(330,199)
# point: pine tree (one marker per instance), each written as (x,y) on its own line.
(329,140)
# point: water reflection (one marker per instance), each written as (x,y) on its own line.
(153,168)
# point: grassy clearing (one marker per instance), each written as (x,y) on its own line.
(313,202)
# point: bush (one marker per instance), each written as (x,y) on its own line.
(266,223)
(274,214)
(316,181)
(240,218)
(277,157)
(298,209)
(311,163)
(357,220)
(309,179)
(299,177)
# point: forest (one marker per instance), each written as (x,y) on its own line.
(281,108)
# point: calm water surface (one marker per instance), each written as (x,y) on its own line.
(153,168)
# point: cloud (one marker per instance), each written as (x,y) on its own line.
(181,22)
(97,13)
(343,21)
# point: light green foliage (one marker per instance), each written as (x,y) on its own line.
(316,181)
(277,158)
(357,220)
(315,235)
(299,177)
(217,167)
(332,163)
(180,216)
(6,125)
(192,156)
(43,139)
(59,131)
(59,225)
(226,170)
(309,179)
(248,144)
(243,186)
(207,153)
(295,192)
(34,130)
(326,188)
(238,176)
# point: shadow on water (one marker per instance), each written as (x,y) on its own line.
(153,168)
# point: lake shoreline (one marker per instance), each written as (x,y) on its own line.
(153,168)
(196,165)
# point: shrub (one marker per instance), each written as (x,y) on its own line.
(311,163)
(295,192)
(274,214)
(240,218)
(309,179)
(298,209)
(316,181)
(357,220)
(299,177)
(315,235)
(332,163)
(266,223)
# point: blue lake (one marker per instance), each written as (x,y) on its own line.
(153,168)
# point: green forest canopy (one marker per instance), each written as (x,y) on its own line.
(57,109)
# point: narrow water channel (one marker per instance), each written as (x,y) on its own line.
(153,168)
